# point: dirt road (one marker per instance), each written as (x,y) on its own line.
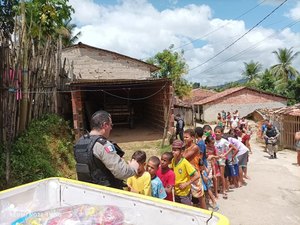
(272,196)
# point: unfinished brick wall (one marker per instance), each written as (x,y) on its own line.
(89,63)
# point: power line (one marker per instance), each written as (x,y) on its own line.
(227,47)
(91,90)
(245,50)
(223,42)
(213,31)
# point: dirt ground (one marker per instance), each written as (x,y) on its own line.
(271,196)
(139,138)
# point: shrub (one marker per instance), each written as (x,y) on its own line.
(44,150)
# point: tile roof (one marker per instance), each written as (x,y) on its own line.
(198,94)
(218,95)
(229,92)
(290,110)
(178,102)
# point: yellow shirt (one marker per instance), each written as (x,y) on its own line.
(183,171)
(141,184)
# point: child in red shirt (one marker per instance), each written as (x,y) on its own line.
(166,175)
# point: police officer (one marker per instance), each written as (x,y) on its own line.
(179,127)
(97,159)
(271,135)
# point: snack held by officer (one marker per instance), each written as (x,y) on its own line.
(98,160)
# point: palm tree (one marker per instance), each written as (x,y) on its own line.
(252,70)
(284,71)
(67,32)
(266,81)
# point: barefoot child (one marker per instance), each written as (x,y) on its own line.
(157,188)
(212,165)
(207,184)
(166,175)
(222,146)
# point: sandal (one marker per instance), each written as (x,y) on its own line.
(225,196)
(216,208)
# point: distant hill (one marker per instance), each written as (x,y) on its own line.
(230,84)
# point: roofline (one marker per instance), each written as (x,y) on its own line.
(89,82)
(238,89)
(152,67)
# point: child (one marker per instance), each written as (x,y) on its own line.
(228,120)
(207,130)
(212,165)
(242,156)
(193,155)
(141,182)
(166,175)
(185,174)
(222,146)
(201,144)
(219,121)
(157,187)
(207,183)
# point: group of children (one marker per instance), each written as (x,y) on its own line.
(229,120)
(197,170)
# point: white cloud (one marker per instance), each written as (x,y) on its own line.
(295,12)
(135,28)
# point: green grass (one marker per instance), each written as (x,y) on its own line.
(44,150)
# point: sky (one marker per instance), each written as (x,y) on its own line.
(217,36)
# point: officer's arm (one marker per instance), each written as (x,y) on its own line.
(117,166)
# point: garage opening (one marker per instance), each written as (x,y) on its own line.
(132,104)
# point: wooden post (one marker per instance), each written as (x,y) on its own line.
(170,94)
(24,101)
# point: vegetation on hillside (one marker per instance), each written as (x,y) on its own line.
(33,33)
(44,150)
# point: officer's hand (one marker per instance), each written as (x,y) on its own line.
(134,164)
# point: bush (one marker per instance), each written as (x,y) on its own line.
(44,150)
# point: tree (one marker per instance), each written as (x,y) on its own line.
(196,85)
(7,13)
(34,60)
(252,70)
(67,32)
(266,81)
(284,71)
(173,66)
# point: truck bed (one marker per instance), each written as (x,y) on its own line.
(58,192)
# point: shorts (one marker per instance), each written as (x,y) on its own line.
(243,159)
(217,170)
(187,200)
(226,170)
(208,185)
(233,170)
(297,145)
(221,162)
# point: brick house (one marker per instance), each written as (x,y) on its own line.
(244,99)
(102,79)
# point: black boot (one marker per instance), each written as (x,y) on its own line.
(275,157)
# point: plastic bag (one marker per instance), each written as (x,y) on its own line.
(75,215)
